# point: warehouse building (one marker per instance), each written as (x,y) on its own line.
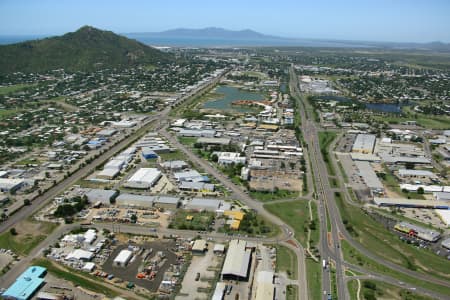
(174,165)
(444,215)
(215,205)
(227,158)
(11,184)
(80,255)
(137,201)
(417,231)
(446,243)
(166,202)
(364,143)
(100,196)
(148,153)
(27,284)
(144,178)
(214,141)
(237,262)
(370,178)
(441,196)
(412,203)
(191,175)
(123,258)
(197,132)
(199,247)
(197,187)
(265,289)
(416,173)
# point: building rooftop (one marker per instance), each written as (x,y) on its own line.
(237,259)
(26,284)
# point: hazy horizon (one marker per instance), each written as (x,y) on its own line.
(351,20)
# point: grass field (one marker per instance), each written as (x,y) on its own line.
(286,261)
(314,279)
(426,121)
(325,139)
(13,88)
(29,235)
(277,195)
(6,113)
(176,155)
(192,220)
(77,278)
(372,235)
(186,140)
(351,255)
(381,290)
(295,214)
(291,292)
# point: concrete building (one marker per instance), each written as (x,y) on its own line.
(237,262)
(370,178)
(144,178)
(27,284)
(364,143)
(123,258)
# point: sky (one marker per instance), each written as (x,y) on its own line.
(364,20)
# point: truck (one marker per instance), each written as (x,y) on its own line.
(324,263)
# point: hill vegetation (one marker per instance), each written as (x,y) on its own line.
(86,49)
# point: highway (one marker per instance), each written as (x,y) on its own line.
(326,200)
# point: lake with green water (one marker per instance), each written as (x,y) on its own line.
(230,94)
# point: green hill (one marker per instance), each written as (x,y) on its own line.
(83,50)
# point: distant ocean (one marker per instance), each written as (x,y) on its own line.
(208,42)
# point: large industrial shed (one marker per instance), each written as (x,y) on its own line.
(364,143)
(137,201)
(237,263)
(123,258)
(26,284)
(144,178)
(370,177)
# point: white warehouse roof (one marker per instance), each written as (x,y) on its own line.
(123,257)
(144,178)
(237,260)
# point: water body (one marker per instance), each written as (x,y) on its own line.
(231,94)
(380,107)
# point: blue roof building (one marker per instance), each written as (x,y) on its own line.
(26,284)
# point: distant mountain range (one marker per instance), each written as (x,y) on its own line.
(214,36)
(85,49)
